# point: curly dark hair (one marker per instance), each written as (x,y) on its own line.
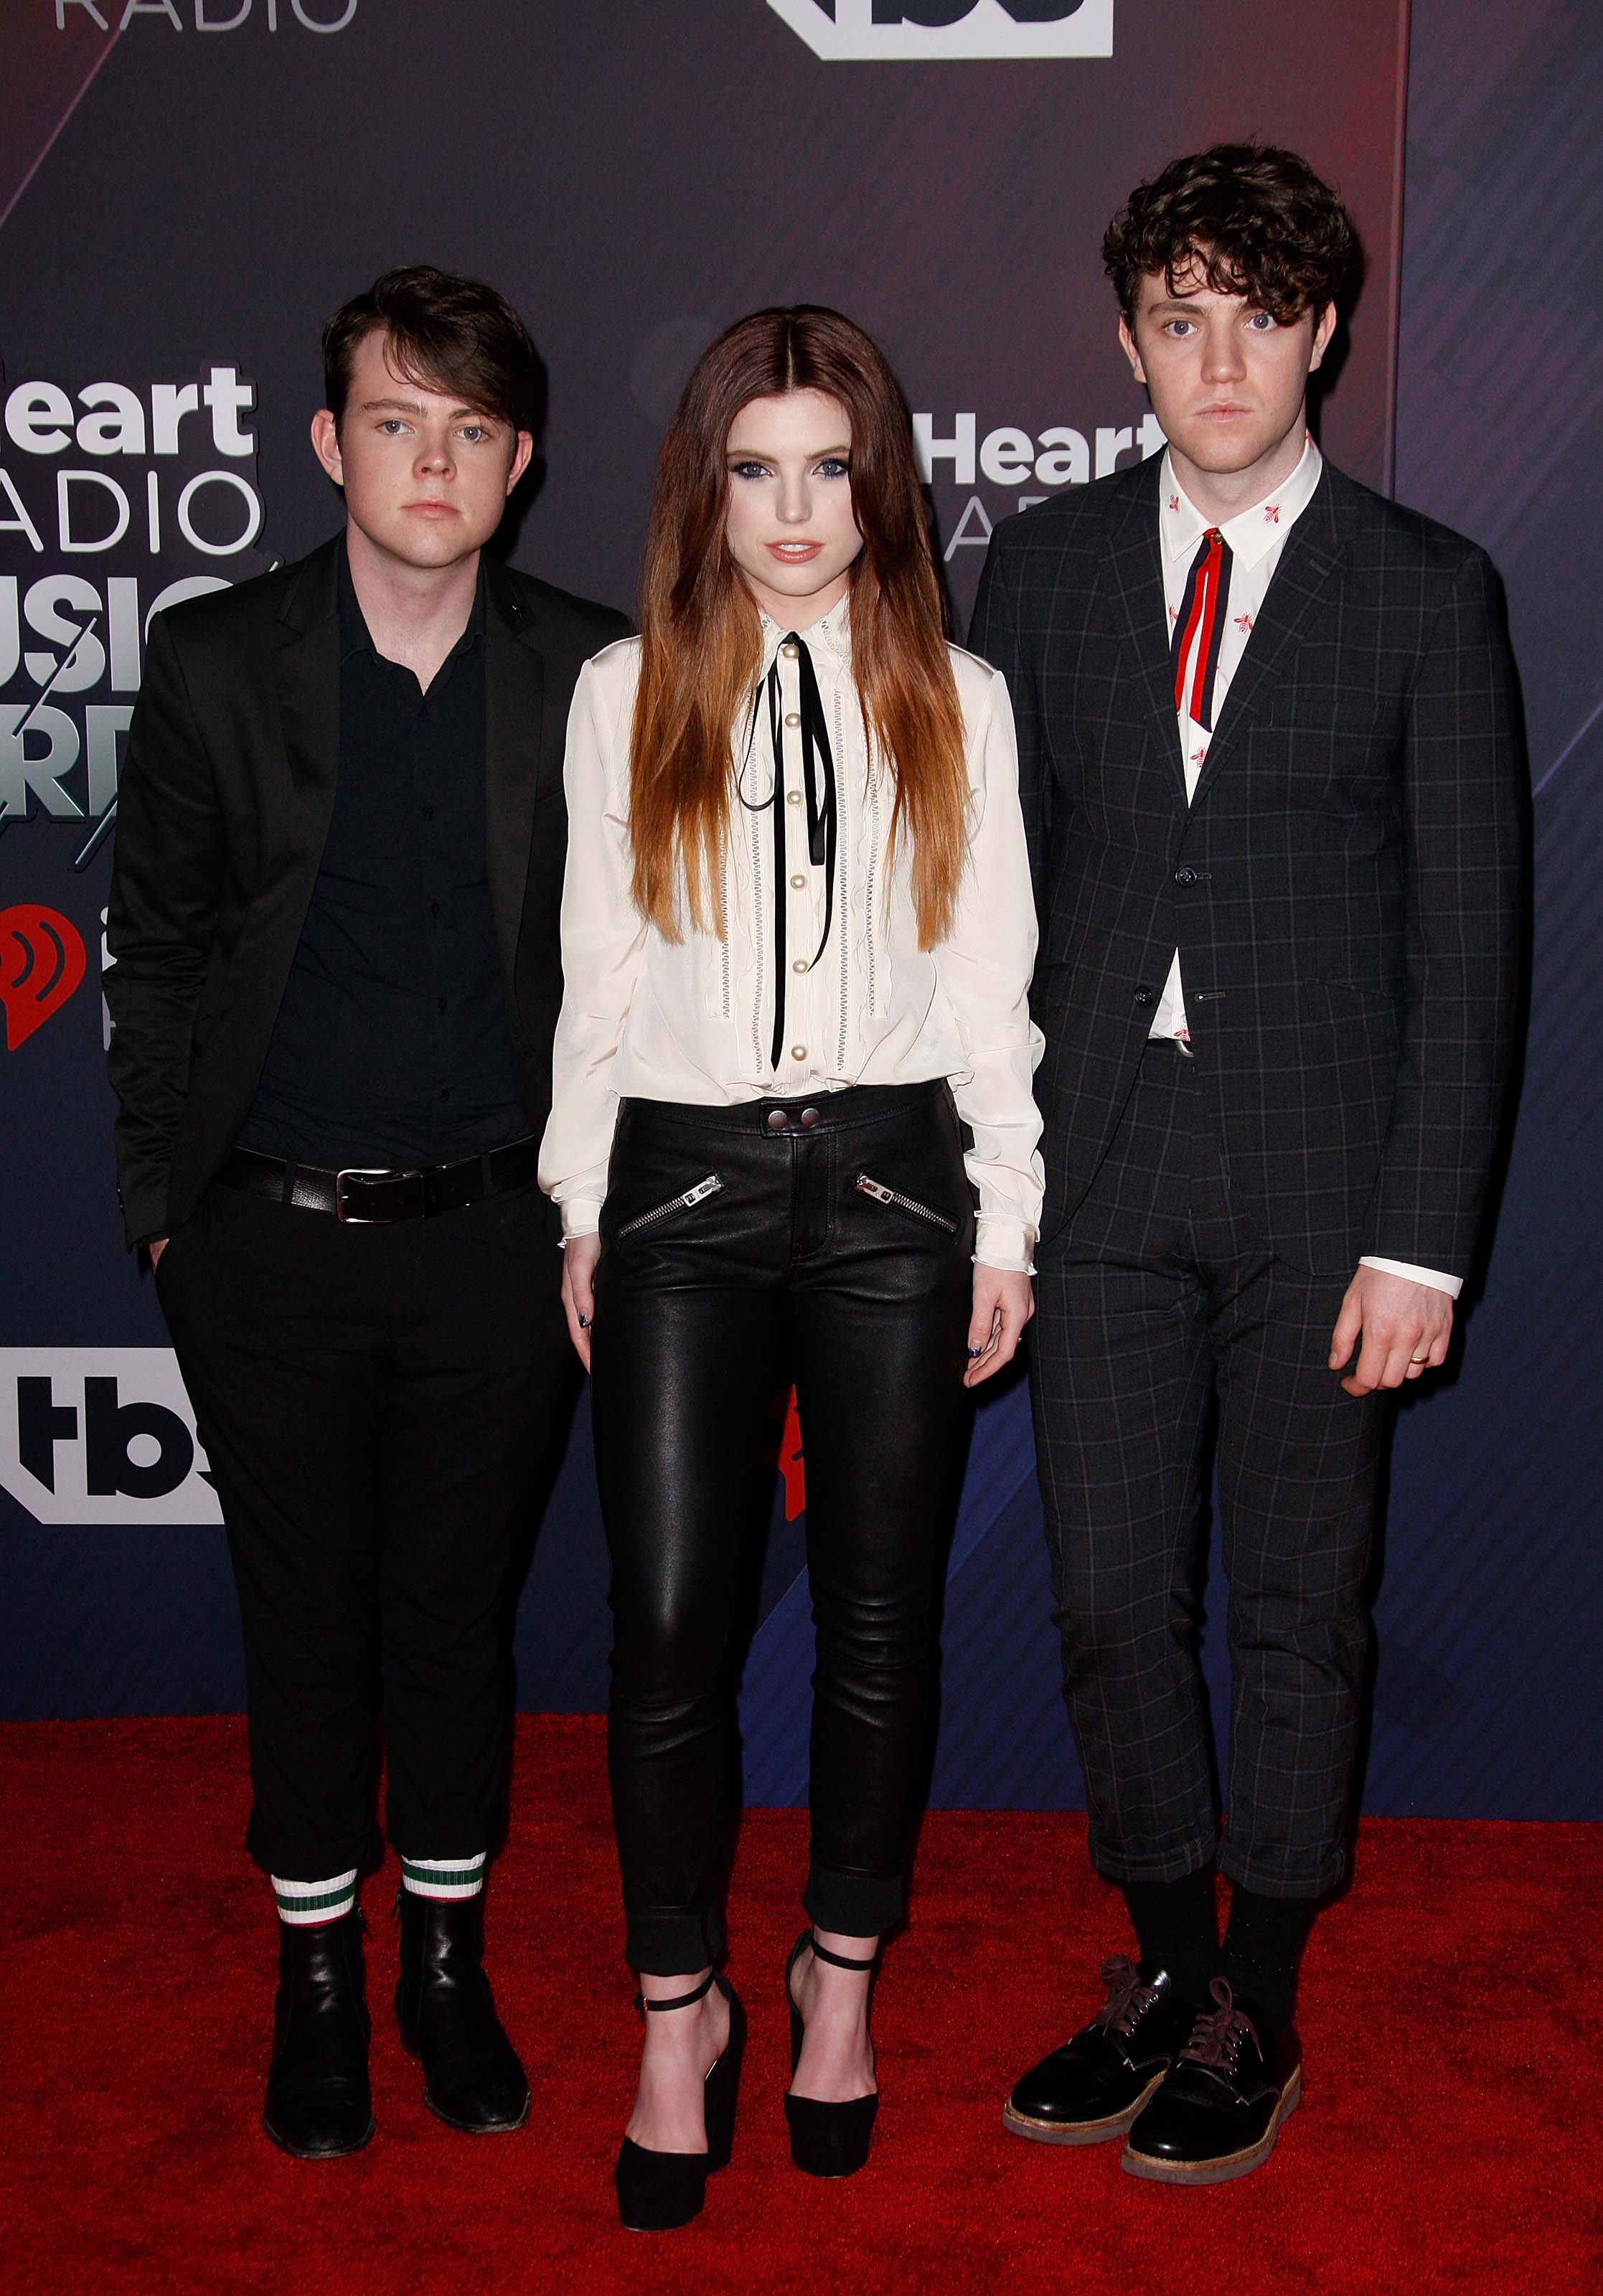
(1244,219)
(446,333)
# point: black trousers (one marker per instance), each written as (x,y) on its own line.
(375,1404)
(1154,1298)
(739,1251)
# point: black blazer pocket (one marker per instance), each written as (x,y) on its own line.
(1366,1029)
(1324,717)
(1361,999)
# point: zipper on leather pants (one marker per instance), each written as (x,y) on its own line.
(883,1195)
(683,1202)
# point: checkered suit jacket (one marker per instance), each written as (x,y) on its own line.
(1344,890)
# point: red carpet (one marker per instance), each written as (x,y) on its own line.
(1449,2138)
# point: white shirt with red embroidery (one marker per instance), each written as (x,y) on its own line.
(1256,537)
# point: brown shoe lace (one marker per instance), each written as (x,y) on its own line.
(1216,2038)
(1128,2000)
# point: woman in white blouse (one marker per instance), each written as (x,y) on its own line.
(797,939)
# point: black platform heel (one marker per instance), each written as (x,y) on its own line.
(658,2192)
(826,2140)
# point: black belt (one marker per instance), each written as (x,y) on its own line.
(362,1198)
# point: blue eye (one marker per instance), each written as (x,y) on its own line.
(832,467)
(1262,320)
(748,470)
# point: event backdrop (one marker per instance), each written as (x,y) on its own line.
(188,186)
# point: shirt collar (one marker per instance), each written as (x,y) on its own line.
(1253,533)
(828,639)
(354,636)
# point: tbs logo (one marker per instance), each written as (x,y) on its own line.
(100,1435)
(904,31)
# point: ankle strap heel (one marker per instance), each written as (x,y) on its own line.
(658,2192)
(680,2000)
(838,1960)
(826,2140)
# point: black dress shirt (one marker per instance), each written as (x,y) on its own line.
(391,1045)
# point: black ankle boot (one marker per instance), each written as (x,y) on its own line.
(318,2104)
(472,2077)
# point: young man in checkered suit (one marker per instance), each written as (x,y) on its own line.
(1271,774)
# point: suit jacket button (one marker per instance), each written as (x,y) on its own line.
(1143,997)
(1185,876)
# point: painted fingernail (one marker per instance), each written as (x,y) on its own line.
(976,1351)
(584,1322)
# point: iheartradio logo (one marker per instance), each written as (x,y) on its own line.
(209,15)
(42,962)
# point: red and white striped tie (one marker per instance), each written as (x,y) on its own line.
(1199,629)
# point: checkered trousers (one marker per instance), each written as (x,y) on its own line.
(1157,1297)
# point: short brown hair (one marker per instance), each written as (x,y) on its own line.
(445,333)
(1244,219)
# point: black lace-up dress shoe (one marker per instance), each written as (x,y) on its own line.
(1093,2088)
(1219,2112)
(318,2104)
(471,2078)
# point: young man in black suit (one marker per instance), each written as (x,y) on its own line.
(1270,770)
(335,981)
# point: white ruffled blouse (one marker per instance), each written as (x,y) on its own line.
(695,1021)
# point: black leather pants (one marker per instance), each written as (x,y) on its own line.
(828,1242)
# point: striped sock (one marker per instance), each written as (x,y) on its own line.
(444,1877)
(304,1904)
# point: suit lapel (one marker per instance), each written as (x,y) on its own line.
(307,673)
(1135,568)
(1312,552)
(516,747)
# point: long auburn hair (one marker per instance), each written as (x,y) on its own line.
(701,635)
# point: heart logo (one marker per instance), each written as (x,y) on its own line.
(42,962)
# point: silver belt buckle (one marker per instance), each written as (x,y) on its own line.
(364,1172)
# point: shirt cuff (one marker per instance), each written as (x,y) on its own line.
(1452,1284)
(1004,1244)
(581,1216)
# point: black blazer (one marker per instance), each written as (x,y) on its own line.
(223,810)
(1345,890)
